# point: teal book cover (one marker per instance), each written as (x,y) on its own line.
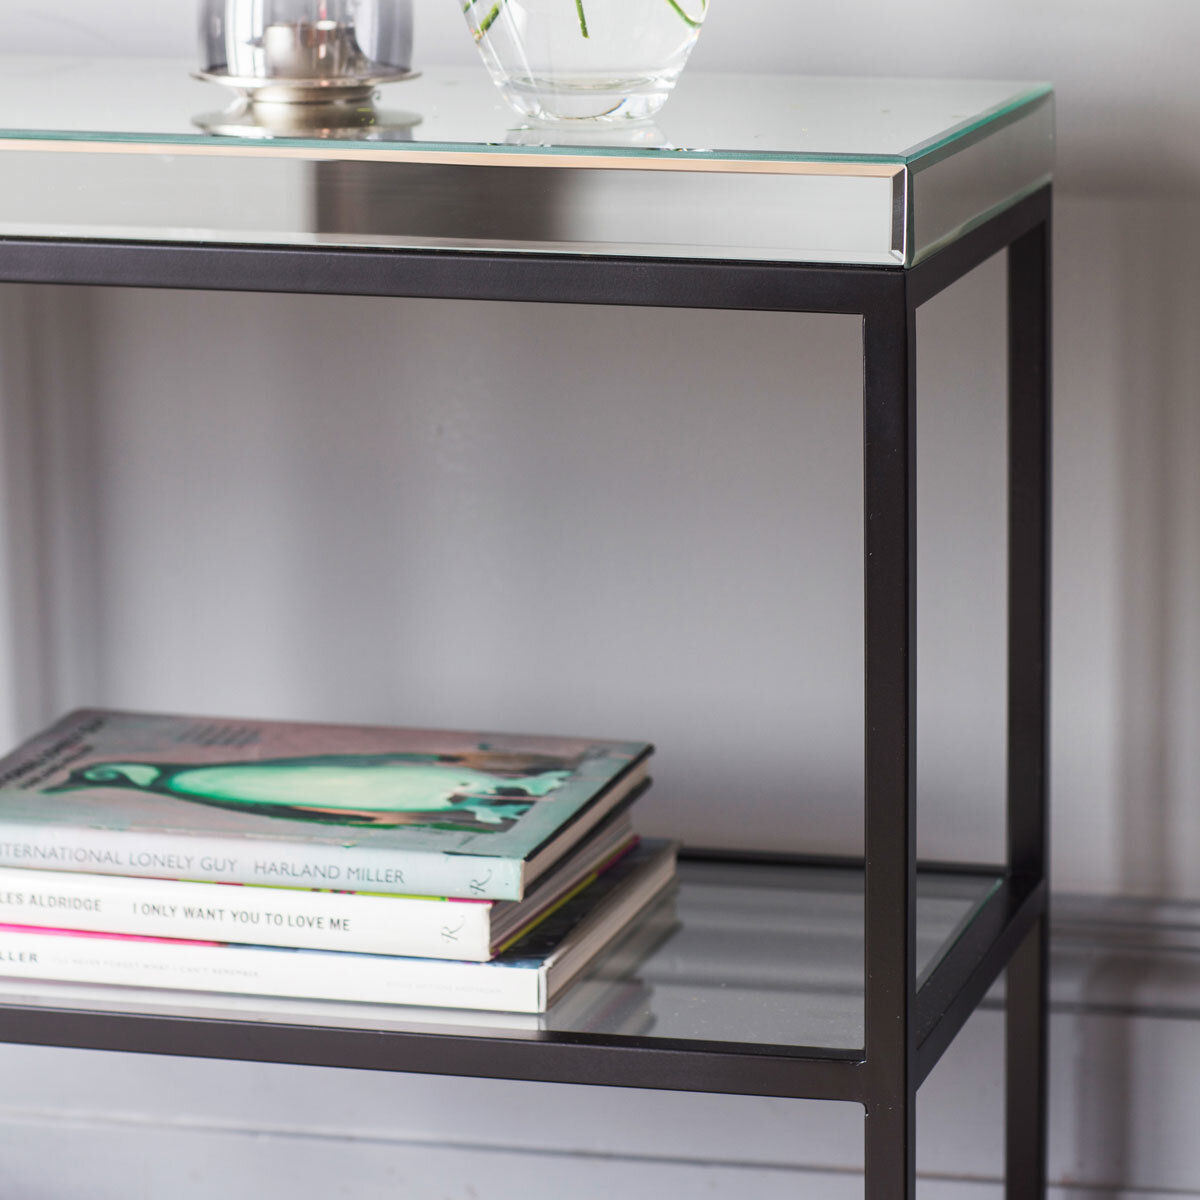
(290,804)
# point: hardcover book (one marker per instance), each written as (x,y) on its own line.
(302,918)
(288,804)
(526,978)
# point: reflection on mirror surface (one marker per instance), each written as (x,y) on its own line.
(353,120)
(636,135)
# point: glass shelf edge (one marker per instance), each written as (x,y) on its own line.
(989,121)
(99,141)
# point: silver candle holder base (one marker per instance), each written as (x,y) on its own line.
(328,90)
(352,121)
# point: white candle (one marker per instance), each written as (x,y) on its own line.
(312,50)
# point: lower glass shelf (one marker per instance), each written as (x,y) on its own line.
(743,954)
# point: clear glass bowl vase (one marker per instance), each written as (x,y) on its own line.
(596,60)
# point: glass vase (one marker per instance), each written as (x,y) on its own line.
(595,60)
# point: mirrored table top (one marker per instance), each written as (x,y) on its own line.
(749,955)
(732,118)
(835,169)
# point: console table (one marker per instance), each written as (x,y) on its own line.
(771,194)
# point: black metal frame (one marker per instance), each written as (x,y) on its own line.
(907,1029)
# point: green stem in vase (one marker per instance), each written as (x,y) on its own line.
(487,21)
(694,22)
(494,12)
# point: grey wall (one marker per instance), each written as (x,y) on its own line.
(392,511)
(528,388)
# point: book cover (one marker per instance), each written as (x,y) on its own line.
(302,918)
(290,804)
(526,978)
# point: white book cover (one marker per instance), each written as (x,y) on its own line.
(527,978)
(301,918)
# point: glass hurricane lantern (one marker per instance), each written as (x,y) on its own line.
(305,51)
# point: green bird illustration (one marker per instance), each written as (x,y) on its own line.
(440,791)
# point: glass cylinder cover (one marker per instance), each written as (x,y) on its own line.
(315,40)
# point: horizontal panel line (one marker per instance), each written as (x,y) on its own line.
(131,1122)
(1084,1008)
(134,1124)
(1068,1186)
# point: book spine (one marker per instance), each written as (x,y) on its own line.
(272,863)
(71,957)
(291,917)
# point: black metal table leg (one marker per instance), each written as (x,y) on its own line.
(889,476)
(1025,1037)
(1029,556)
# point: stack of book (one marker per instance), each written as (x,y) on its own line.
(328,862)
